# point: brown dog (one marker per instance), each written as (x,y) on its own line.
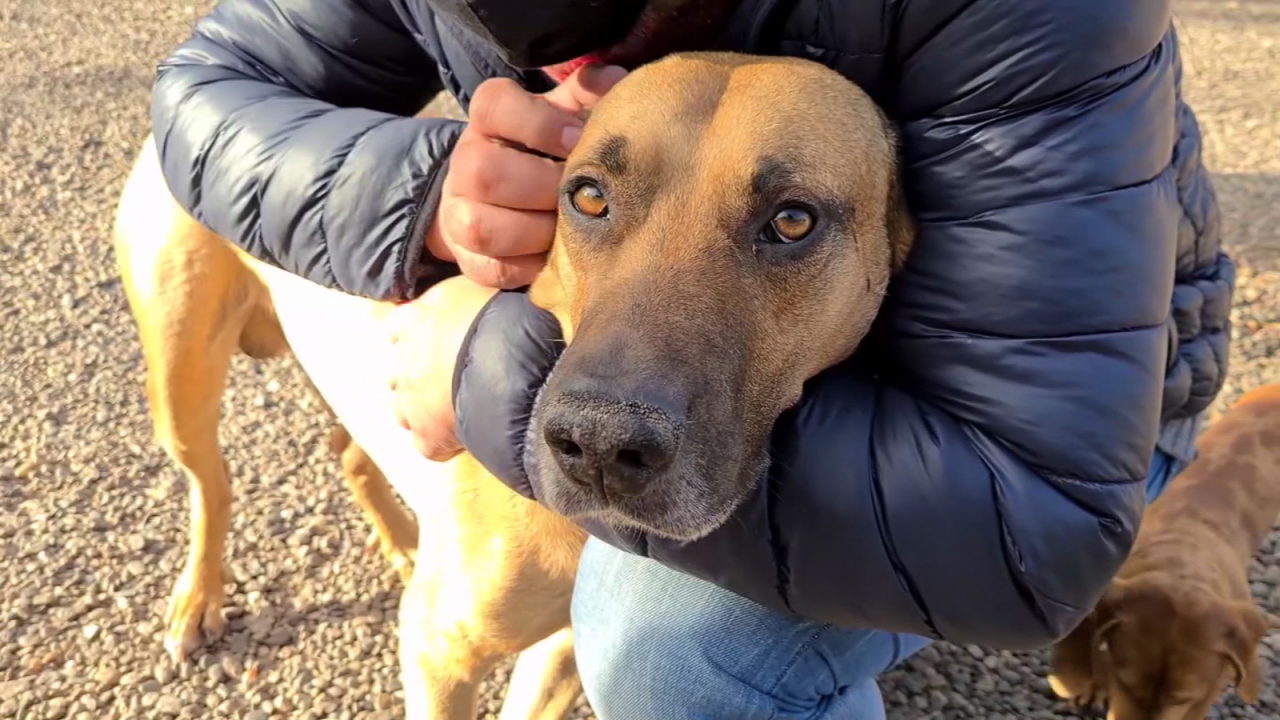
(733,267)
(1178,624)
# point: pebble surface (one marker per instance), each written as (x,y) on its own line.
(92,514)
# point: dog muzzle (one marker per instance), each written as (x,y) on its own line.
(531,35)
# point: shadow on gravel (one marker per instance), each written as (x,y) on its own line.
(1250,206)
(1252,11)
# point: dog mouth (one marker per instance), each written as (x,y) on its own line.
(685,506)
(697,493)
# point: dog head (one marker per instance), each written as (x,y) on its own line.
(1164,650)
(727,229)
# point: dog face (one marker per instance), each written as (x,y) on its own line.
(1167,650)
(727,229)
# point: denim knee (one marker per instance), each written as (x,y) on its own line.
(653,650)
(654,644)
(1164,468)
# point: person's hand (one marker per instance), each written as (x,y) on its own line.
(496,217)
(425,336)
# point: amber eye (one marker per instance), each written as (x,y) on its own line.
(589,200)
(791,225)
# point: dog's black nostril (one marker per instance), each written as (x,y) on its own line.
(631,460)
(611,448)
(564,446)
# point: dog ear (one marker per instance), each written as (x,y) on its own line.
(898,222)
(1243,628)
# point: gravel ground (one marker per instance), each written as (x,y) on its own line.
(92,516)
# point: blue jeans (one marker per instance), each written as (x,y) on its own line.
(655,644)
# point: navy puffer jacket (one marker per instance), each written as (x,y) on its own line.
(1065,308)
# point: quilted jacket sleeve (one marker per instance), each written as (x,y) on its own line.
(984,482)
(281,125)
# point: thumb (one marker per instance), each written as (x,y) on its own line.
(584,88)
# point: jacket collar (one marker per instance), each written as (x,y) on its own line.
(747,25)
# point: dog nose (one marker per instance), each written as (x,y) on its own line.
(610,446)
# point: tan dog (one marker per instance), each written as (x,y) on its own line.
(1178,623)
(729,225)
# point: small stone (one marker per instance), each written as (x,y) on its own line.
(256,715)
(163,674)
(168,705)
(106,677)
(90,631)
(279,636)
(135,543)
(232,666)
(260,626)
(216,674)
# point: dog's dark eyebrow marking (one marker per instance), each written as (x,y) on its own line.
(776,179)
(772,176)
(612,155)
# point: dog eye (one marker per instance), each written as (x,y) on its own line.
(589,200)
(791,225)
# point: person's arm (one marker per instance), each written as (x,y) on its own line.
(986,489)
(281,125)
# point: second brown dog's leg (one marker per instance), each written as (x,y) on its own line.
(1072,674)
(395,530)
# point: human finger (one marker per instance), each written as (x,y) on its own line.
(495,231)
(502,273)
(502,110)
(501,175)
(584,88)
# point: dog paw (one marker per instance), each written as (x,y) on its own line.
(401,560)
(1082,694)
(194,616)
(1062,688)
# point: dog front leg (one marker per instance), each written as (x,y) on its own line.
(1072,675)
(443,653)
(545,682)
(493,579)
